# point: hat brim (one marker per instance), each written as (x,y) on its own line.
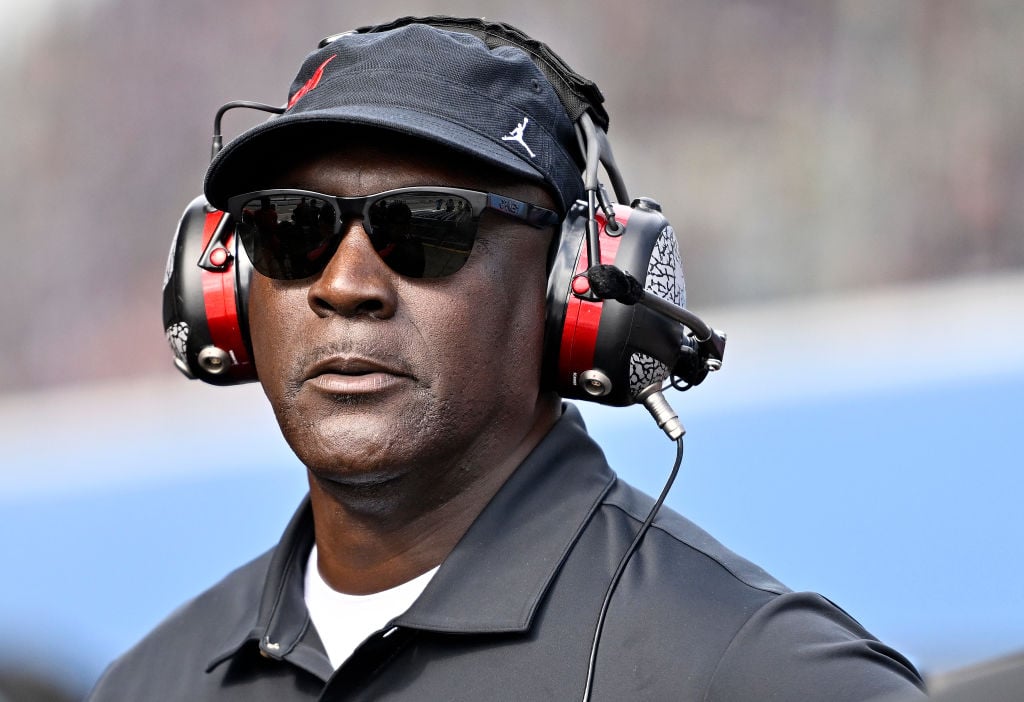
(244,160)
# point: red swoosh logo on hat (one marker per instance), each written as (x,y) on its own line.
(314,80)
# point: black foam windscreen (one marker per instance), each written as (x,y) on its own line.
(610,283)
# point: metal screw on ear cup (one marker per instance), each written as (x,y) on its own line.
(214,360)
(595,383)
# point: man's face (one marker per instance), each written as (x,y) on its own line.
(373,375)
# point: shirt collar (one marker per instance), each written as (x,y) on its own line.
(498,573)
(280,622)
(494,579)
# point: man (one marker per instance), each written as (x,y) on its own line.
(461,528)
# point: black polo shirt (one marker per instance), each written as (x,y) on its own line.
(510,615)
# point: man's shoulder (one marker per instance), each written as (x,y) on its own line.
(673,534)
(736,623)
(188,639)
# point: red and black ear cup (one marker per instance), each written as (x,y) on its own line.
(602,350)
(206,293)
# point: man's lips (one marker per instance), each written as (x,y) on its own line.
(348,375)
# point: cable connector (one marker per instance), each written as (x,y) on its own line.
(666,417)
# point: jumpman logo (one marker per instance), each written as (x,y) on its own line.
(517,135)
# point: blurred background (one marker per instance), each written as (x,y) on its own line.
(846,179)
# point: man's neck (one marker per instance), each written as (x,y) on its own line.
(372,537)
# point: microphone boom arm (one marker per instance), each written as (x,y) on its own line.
(700,354)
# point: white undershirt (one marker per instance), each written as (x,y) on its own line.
(345,621)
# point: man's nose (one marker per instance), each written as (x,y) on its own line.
(356,280)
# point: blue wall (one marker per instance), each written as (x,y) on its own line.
(895,495)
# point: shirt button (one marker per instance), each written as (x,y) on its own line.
(269,648)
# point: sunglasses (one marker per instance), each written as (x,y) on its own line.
(419,232)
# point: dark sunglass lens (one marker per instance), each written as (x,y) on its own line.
(423,235)
(288,236)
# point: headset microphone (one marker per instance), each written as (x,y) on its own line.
(698,355)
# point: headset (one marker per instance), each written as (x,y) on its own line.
(616,326)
